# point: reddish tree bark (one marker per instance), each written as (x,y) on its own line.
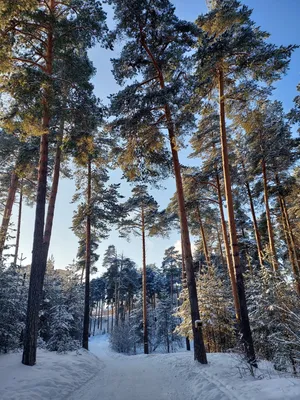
(203,236)
(199,348)
(244,322)
(19,224)
(145,324)
(183,278)
(269,222)
(53,193)
(255,226)
(38,264)
(227,252)
(86,316)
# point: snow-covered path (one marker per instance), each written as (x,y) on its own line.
(159,377)
(104,375)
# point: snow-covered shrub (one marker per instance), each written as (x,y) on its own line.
(165,335)
(216,312)
(136,324)
(74,301)
(122,338)
(12,308)
(61,313)
(41,344)
(60,331)
(274,311)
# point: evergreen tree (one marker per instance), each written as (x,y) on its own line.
(100,208)
(205,143)
(274,311)
(143,220)
(156,104)
(294,115)
(34,56)
(171,266)
(233,49)
(61,325)
(19,159)
(166,323)
(274,153)
(217,319)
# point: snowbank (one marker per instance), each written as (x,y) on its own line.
(229,375)
(54,376)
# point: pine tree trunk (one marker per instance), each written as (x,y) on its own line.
(221,249)
(96,315)
(128,306)
(292,255)
(38,264)
(290,240)
(116,303)
(255,226)
(86,317)
(145,322)
(269,222)
(254,220)
(82,274)
(227,252)
(287,239)
(296,268)
(8,210)
(187,340)
(19,224)
(108,319)
(90,322)
(290,231)
(171,291)
(112,317)
(167,339)
(187,344)
(101,315)
(53,193)
(38,267)
(199,348)
(244,322)
(177,296)
(203,236)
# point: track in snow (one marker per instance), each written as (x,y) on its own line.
(152,377)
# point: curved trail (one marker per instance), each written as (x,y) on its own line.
(152,377)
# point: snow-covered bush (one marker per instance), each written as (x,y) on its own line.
(12,308)
(60,331)
(274,311)
(122,338)
(136,323)
(61,312)
(165,335)
(216,312)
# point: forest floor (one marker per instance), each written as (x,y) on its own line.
(110,376)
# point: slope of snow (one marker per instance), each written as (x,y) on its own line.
(54,376)
(110,376)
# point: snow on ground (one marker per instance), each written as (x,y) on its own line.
(110,376)
(54,376)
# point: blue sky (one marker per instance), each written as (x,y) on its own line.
(278,17)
